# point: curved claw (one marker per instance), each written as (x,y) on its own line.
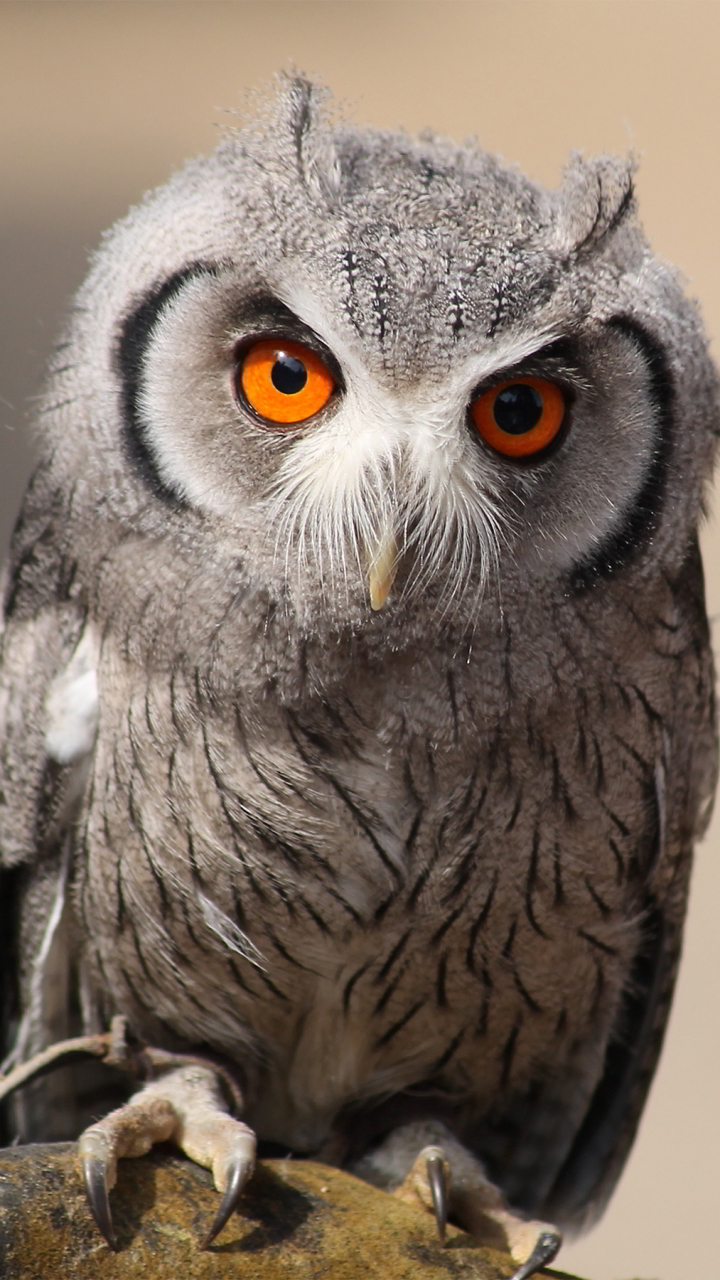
(238,1175)
(435,1166)
(96,1189)
(547,1245)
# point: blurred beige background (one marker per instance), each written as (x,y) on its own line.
(99,101)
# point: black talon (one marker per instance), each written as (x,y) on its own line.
(548,1243)
(239,1173)
(435,1166)
(96,1189)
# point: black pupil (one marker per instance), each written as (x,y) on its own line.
(518,408)
(288,374)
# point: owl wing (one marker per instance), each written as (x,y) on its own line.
(601,1146)
(48,709)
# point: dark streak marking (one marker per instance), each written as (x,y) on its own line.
(412,833)
(602,907)
(530,885)
(595,942)
(622,209)
(235,832)
(479,923)
(450,682)
(619,861)
(378,304)
(191,932)
(410,785)
(393,956)
(462,873)
(364,825)
(498,297)
(240,917)
(174,711)
(120,918)
(134,992)
(618,822)
(398,1026)
(456,311)
(381,910)
(523,991)
(477,810)
(389,991)
(140,956)
(465,802)
(134,750)
(447,924)
(417,889)
(271,986)
(599,766)
(440,980)
(516,811)
(237,976)
(599,988)
(351,983)
(59,404)
(653,716)
(136,821)
(449,1053)
(192,858)
(170,775)
(354,915)
(283,951)
(482,1022)
(508,1054)
(315,916)
(148,714)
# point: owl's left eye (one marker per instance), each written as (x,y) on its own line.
(283,382)
(520,418)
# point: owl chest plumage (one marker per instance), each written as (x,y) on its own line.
(415,882)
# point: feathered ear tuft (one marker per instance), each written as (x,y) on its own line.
(307,117)
(595,198)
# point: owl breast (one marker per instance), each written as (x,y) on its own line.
(408,885)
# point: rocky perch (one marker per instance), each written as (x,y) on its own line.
(297,1219)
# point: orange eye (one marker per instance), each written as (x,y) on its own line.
(521,417)
(283,382)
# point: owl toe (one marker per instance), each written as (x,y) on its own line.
(184,1106)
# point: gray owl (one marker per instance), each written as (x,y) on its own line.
(356,689)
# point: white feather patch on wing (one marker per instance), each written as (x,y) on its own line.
(43,1020)
(229,933)
(72,705)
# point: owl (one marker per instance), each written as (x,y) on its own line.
(356,688)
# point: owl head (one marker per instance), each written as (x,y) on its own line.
(392,378)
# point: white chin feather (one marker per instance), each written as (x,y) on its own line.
(348,491)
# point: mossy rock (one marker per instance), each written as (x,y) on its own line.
(296,1219)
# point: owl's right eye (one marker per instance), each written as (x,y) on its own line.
(283,382)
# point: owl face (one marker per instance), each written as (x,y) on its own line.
(390,374)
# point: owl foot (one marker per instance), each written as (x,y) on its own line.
(449,1181)
(184,1106)
(477,1205)
(429,1182)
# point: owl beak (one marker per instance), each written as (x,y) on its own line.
(382,567)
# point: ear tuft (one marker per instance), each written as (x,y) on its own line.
(595,198)
(307,117)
